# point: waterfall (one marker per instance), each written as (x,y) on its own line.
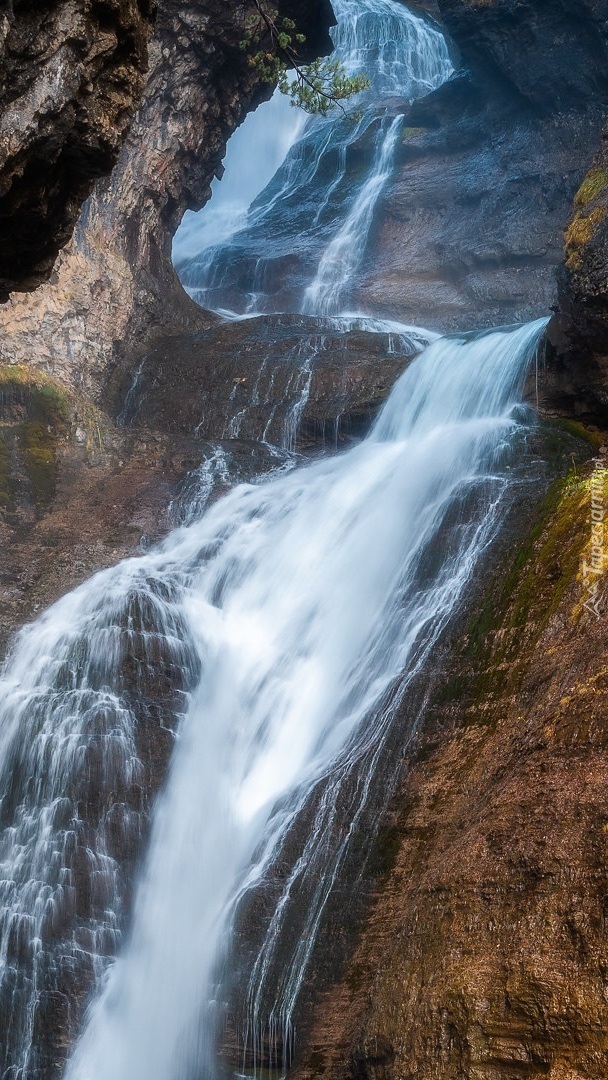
(297,245)
(246,674)
(344,253)
(285,615)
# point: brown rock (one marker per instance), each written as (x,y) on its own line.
(113,288)
(484,956)
(76,493)
(289,380)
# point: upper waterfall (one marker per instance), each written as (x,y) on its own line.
(296,245)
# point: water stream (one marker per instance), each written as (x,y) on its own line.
(292,607)
(296,245)
(250,666)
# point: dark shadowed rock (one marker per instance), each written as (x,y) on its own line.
(553,53)
(576,379)
(72,74)
(293,381)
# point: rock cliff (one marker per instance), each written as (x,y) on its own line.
(484,952)
(577,372)
(72,74)
(552,55)
(551,52)
(113,286)
(471,230)
(483,955)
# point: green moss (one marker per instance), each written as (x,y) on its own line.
(43,397)
(413,132)
(40,457)
(51,404)
(551,563)
(543,569)
(580,232)
(579,431)
(35,412)
(594,183)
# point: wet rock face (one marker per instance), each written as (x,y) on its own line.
(71,78)
(576,379)
(113,288)
(295,382)
(484,954)
(470,233)
(553,53)
(77,494)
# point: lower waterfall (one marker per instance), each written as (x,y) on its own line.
(292,611)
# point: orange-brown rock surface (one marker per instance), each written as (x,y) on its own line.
(485,954)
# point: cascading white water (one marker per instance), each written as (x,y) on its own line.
(254,154)
(295,605)
(268,638)
(344,254)
(318,210)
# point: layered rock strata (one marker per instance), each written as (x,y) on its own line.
(288,380)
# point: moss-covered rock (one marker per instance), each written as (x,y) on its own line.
(591,209)
(484,953)
(35,418)
(38,443)
(578,371)
(4,474)
(43,398)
